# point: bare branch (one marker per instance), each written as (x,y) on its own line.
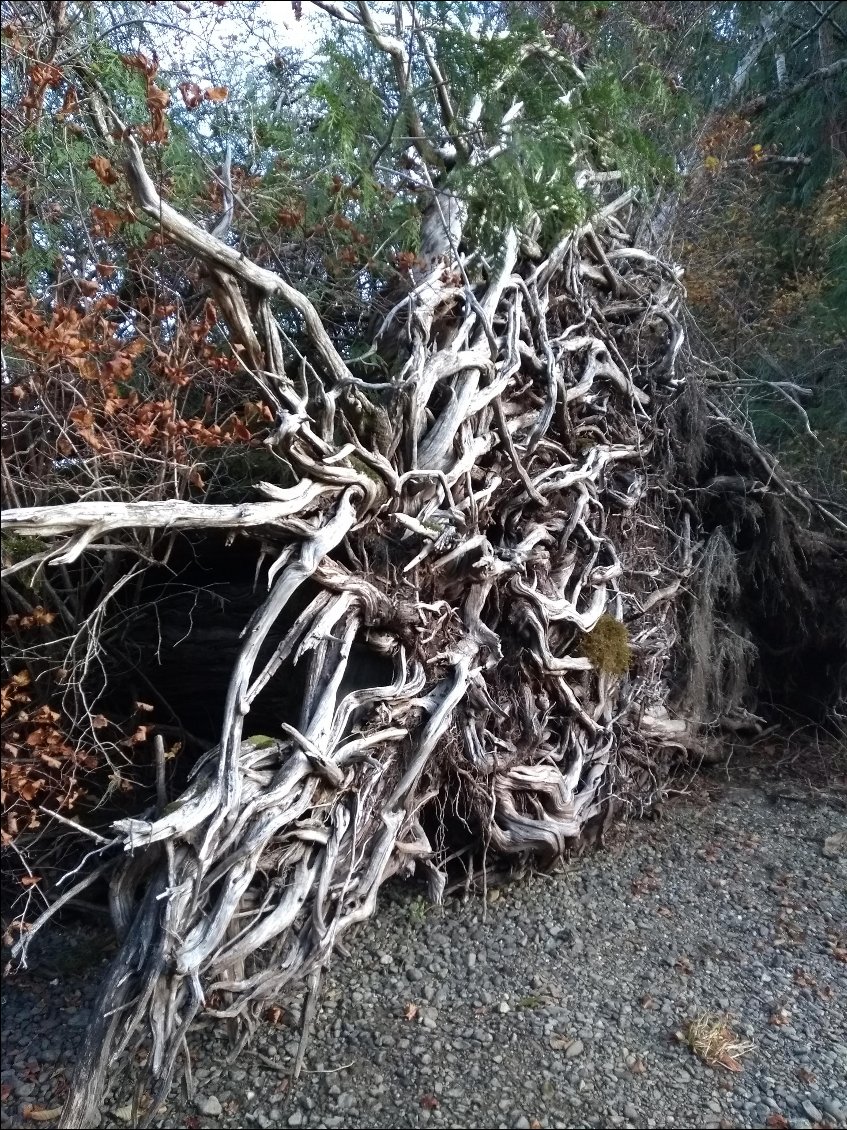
(214,251)
(765,101)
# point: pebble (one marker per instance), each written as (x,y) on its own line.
(210,1106)
(812,1110)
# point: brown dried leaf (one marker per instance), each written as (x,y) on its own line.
(70,104)
(216,94)
(157,98)
(140,62)
(191,93)
(28,790)
(45,714)
(102,169)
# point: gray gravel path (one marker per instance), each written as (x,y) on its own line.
(554,1004)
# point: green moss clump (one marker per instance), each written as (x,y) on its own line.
(17,547)
(358,464)
(607,646)
(584,443)
(262,741)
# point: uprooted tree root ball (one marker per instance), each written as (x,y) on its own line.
(533,523)
(528,592)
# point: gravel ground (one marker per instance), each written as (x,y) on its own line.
(556,1003)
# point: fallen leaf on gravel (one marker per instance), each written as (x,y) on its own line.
(805,1075)
(5,1092)
(645,883)
(429,1102)
(835,845)
(648,1002)
(274,1014)
(779,1016)
(410,1011)
(559,1043)
(639,1067)
(804,979)
(39,1114)
(776,1121)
